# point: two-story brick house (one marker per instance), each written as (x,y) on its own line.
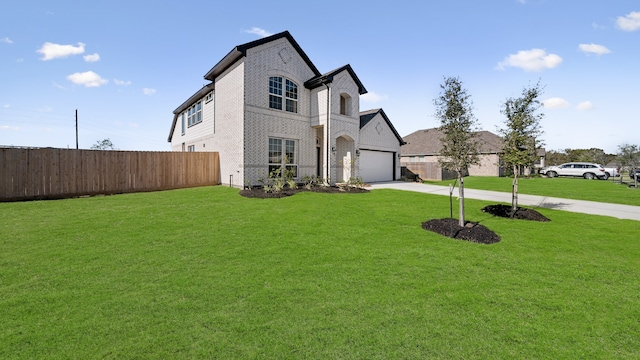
(267,106)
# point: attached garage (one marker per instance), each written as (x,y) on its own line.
(379,146)
(377,166)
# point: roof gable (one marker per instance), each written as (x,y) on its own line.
(326,78)
(368,115)
(190,101)
(241,51)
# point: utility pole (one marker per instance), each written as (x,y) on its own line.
(76,129)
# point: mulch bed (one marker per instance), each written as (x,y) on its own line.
(259,193)
(521,214)
(472,232)
(475,232)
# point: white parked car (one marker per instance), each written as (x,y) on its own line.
(578,169)
(612,172)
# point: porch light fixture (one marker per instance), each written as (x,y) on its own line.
(333,149)
(357,152)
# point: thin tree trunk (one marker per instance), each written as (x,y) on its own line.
(514,191)
(461,198)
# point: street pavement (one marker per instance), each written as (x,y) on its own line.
(580,206)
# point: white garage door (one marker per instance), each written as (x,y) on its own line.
(376,166)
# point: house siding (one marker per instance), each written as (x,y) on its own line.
(197,134)
(228,138)
(489,166)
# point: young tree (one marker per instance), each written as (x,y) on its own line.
(521,134)
(460,146)
(628,155)
(105,144)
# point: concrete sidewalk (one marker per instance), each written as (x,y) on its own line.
(579,206)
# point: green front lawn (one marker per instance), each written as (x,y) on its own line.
(205,273)
(568,188)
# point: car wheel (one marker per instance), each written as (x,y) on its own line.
(552,174)
(605,176)
(589,176)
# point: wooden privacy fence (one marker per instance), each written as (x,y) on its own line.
(62,173)
(429,171)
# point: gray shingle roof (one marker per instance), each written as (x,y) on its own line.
(427,142)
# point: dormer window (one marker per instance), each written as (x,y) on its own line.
(276,95)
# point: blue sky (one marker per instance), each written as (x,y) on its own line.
(126,65)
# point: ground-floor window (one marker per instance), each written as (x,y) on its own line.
(283,155)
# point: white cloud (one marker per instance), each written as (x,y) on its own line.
(54,51)
(372,97)
(87,79)
(91,58)
(56,85)
(531,60)
(629,22)
(20,60)
(258,31)
(148,91)
(597,26)
(7,127)
(594,49)
(584,106)
(121,82)
(6,40)
(555,103)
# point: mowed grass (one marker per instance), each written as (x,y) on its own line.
(568,188)
(206,273)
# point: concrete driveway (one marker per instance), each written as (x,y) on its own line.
(580,206)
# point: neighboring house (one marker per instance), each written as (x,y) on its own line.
(420,155)
(267,107)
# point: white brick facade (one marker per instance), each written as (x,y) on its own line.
(238,122)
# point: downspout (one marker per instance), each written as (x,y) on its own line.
(328,137)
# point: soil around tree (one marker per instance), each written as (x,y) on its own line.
(477,233)
(472,232)
(259,193)
(504,211)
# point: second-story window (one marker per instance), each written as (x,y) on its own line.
(276,97)
(194,114)
(345,104)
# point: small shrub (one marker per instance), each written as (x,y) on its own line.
(354,183)
(310,181)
